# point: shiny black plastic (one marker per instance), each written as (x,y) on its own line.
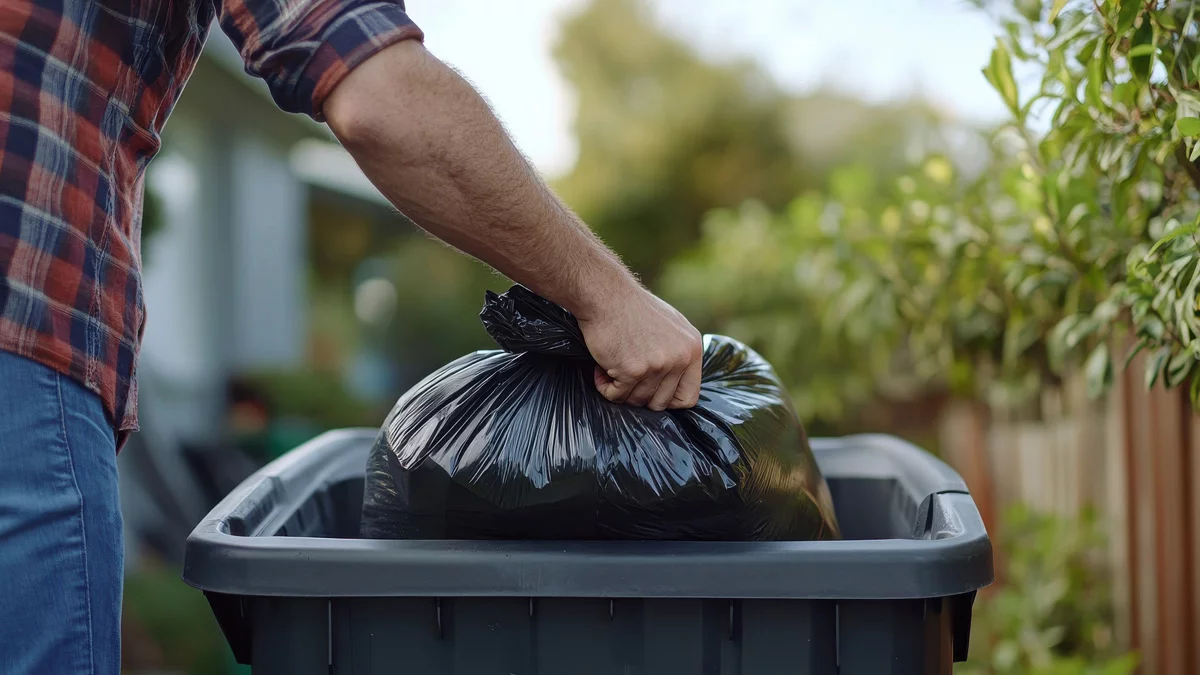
(518,444)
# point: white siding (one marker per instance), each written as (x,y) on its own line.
(269,214)
(181,362)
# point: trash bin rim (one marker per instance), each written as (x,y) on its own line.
(956,559)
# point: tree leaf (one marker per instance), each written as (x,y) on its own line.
(1098,370)
(1189,102)
(1153,327)
(1056,8)
(1143,43)
(1068,31)
(1137,349)
(1166,19)
(1188,126)
(1179,367)
(1056,342)
(1013,29)
(1085,327)
(1095,77)
(999,73)
(1195,154)
(1019,335)
(1086,51)
(1176,232)
(1154,365)
(1128,14)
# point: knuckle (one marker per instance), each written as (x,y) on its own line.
(653,364)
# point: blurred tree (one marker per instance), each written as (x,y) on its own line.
(665,135)
(1071,238)
(999,283)
(177,620)
(437,315)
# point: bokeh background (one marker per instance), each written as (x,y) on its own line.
(941,219)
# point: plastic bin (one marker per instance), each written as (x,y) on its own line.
(296,594)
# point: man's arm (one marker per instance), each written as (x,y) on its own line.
(432,146)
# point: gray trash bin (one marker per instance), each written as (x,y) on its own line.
(297,594)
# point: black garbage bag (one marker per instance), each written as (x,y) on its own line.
(518,444)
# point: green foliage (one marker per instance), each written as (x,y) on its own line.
(1121,155)
(1000,282)
(756,275)
(437,315)
(1116,190)
(665,135)
(177,619)
(314,396)
(153,216)
(1053,615)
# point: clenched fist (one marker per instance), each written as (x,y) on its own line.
(647,353)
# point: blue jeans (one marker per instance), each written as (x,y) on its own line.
(61,556)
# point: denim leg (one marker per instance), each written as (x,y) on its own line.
(61,556)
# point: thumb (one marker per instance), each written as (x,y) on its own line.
(611,389)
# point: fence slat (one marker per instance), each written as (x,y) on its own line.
(1114,505)
(1174,636)
(1193,486)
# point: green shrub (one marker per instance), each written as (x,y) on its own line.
(1053,615)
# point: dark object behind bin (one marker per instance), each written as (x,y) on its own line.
(518,444)
(296,595)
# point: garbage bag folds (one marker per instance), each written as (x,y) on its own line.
(518,444)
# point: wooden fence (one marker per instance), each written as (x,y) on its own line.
(1134,458)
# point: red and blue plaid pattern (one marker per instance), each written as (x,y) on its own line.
(85,88)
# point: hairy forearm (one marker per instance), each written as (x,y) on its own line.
(432,146)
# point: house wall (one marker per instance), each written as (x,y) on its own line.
(268,257)
(182,366)
(225,277)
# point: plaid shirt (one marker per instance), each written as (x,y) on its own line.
(85,88)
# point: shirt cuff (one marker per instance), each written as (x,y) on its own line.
(350,40)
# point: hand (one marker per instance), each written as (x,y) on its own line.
(647,353)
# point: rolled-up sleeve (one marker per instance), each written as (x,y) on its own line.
(303,48)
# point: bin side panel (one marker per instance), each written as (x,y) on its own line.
(488,635)
(787,636)
(873,508)
(511,636)
(895,637)
(232,616)
(346,499)
(567,636)
(290,636)
(377,636)
(960,621)
(670,636)
(939,635)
